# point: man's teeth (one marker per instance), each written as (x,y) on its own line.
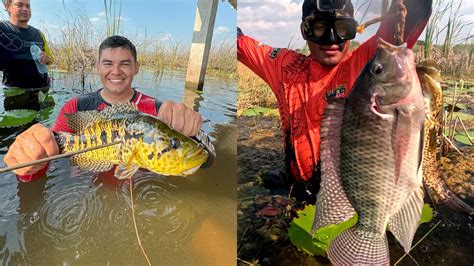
(115,80)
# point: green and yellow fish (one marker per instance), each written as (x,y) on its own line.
(146,142)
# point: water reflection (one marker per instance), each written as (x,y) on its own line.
(77,217)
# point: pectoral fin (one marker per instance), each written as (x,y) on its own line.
(123,172)
(127,170)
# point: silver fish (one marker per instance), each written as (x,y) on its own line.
(371,157)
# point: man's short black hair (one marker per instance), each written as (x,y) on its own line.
(310,5)
(116,41)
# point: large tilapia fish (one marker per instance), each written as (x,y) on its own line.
(371,156)
(146,143)
(430,78)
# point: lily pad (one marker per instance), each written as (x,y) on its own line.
(259,111)
(426,213)
(461,137)
(300,235)
(16,118)
(45,98)
(300,232)
(44,114)
(10,92)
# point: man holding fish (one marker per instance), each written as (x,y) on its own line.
(365,107)
(304,84)
(117,66)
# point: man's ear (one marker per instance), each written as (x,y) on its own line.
(303,33)
(137,68)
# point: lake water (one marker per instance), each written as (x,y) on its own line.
(77,217)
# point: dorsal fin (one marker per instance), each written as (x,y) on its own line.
(80,120)
(111,111)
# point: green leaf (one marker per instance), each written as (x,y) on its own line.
(299,231)
(44,114)
(461,137)
(16,118)
(259,111)
(10,92)
(426,214)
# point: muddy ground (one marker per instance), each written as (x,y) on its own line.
(265,206)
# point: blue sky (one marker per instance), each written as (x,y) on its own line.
(171,20)
(277,22)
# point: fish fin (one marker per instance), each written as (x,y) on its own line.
(404,223)
(127,170)
(400,142)
(356,247)
(80,120)
(124,172)
(86,163)
(332,205)
(112,111)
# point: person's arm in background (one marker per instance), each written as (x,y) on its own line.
(47,56)
(418,14)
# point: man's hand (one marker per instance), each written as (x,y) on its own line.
(35,143)
(44,58)
(180,117)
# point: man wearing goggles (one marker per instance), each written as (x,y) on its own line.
(303,84)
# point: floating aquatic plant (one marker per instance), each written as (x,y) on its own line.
(259,111)
(300,235)
(44,114)
(463,138)
(13,91)
(17,118)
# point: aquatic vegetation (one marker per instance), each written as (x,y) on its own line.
(17,118)
(299,231)
(259,111)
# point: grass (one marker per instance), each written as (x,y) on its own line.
(252,90)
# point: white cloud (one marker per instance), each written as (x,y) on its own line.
(95,19)
(166,37)
(274,22)
(277,22)
(222,29)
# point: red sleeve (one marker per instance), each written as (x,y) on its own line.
(59,125)
(263,60)
(29,178)
(61,121)
(418,14)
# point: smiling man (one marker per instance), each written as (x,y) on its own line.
(16,60)
(117,66)
(304,84)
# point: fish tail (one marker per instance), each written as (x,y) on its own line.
(357,247)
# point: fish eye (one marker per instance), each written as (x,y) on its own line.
(378,69)
(174,143)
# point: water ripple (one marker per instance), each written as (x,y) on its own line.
(68,212)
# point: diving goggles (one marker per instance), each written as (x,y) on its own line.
(329,30)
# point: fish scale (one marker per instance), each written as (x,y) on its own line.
(371,146)
(146,143)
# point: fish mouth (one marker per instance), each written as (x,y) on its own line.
(193,159)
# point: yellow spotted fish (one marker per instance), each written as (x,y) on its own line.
(146,142)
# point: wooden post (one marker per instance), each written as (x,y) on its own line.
(202,38)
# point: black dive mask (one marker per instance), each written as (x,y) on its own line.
(329,29)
